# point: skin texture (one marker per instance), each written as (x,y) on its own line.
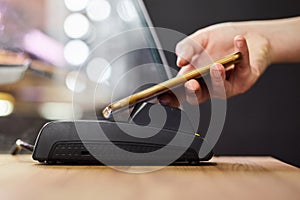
(261,44)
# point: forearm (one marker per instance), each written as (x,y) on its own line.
(283,35)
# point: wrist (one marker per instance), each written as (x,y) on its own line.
(284,40)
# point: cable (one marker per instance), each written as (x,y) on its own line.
(19,145)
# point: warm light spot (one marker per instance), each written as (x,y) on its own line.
(59,111)
(6,104)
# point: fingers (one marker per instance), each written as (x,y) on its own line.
(173,98)
(184,54)
(218,78)
(195,93)
(243,67)
(242,74)
(169,99)
(221,88)
(185,70)
(189,47)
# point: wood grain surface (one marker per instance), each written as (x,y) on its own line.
(222,178)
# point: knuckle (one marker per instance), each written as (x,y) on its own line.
(179,46)
(218,82)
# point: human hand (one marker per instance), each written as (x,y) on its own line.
(218,41)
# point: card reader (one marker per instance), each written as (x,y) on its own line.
(140,141)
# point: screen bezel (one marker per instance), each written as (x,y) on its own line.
(155,38)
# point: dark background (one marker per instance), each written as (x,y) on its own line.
(266,119)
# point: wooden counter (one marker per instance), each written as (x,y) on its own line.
(223,178)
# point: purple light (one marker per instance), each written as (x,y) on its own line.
(44,47)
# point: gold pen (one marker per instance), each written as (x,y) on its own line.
(166,85)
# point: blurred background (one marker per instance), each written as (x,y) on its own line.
(264,121)
(80,50)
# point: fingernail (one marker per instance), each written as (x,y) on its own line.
(164,101)
(190,88)
(240,43)
(179,60)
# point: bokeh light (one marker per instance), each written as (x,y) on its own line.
(6,108)
(98,10)
(76,25)
(59,111)
(126,11)
(74,82)
(6,104)
(76,52)
(76,5)
(98,70)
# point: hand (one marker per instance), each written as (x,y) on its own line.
(217,41)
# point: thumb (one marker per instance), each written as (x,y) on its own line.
(242,68)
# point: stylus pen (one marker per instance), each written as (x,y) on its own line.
(165,86)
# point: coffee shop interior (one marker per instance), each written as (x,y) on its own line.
(61,41)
